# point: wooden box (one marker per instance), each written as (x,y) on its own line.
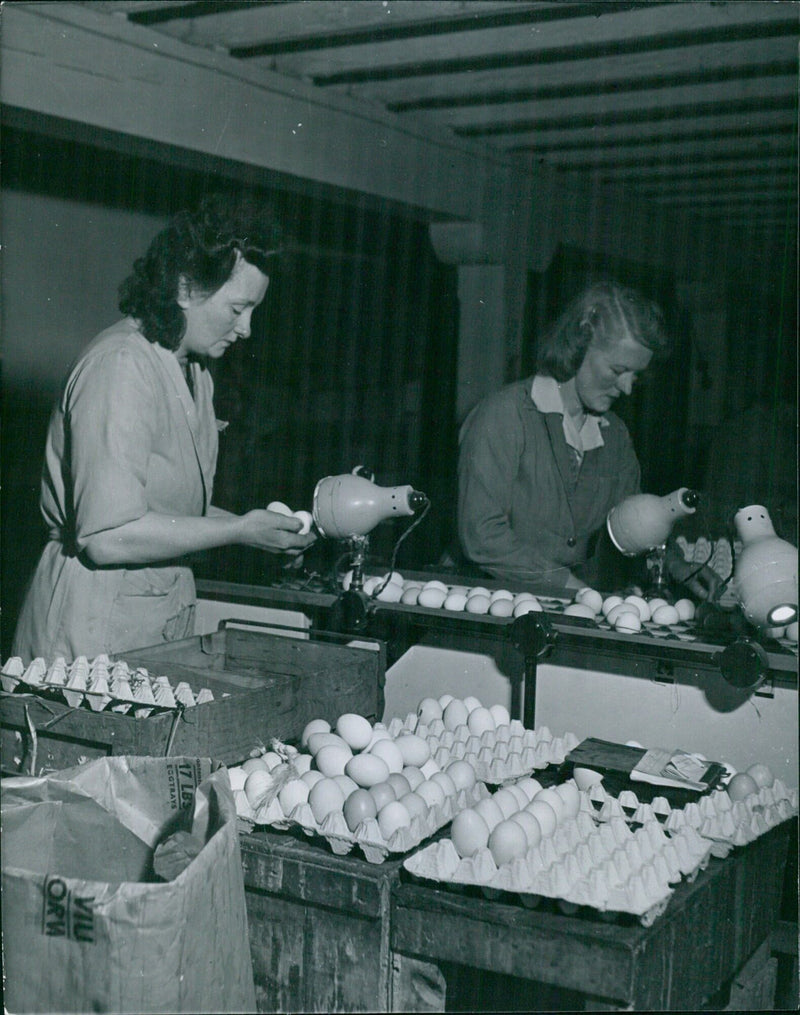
(266,683)
(319,925)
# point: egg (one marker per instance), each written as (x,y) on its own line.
(628,623)
(477,604)
(279,508)
(410,597)
(428,710)
(431,792)
(237,776)
(761,775)
(471,702)
(323,798)
(480,720)
(390,753)
(370,584)
(415,805)
(530,786)
(609,603)
(382,794)
(665,615)
(502,608)
(255,765)
(685,608)
(302,763)
(355,730)
(500,715)
(579,610)
(332,759)
(528,606)
(413,749)
(379,732)
(507,841)
(434,583)
(431,598)
(619,609)
(655,602)
(641,605)
(359,806)
(489,811)
(392,817)
(524,597)
(413,776)
(312,777)
(256,787)
(589,597)
(345,784)
(520,795)
(293,793)
(319,740)
(551,797)
(469,832)
(445,700)
(455,601)
(315,726)
(306,520)
(272,760)
(478,590)
(501,594)
(393,578)
(455,714)
(586,777)
(367,769)
(544,814)
(444,780)
(568,792)
(391,593)
(399,784)
(506,801)
(739,787)
(529,825)
(462,775)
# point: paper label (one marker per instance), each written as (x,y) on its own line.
(67,914)
(183,778)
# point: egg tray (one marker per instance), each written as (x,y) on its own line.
(100,685)
(367,836)
(498,756)
(605,865)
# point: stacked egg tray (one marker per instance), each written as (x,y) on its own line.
(367,835)
(602,858)
(499,755)
(99,685)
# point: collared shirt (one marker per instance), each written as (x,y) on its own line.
(546,396)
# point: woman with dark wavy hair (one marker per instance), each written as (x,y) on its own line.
(131,449)
(543,460)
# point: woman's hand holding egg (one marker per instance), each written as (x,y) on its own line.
(277,529)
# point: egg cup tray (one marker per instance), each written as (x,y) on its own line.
(100,686)
(590,860)
(504,755)
(367,836)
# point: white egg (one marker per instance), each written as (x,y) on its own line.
(319,740)
(306,519)
(332,759)
(370,584)
(302,763)
(568,791)
(528,606)
(471,702)
(391,593)
(506,801)
(619,609)
(445,700)
(256,787)
(315,726)
(628,623)
(443,779)
(272,760)
(489,811)
(367,770)
(293,793)
(545,815)
(469,832)
(455,714)
(507,841)
(520,795)
(432,599)
(530,786)
(655,602)
(609,603)
(395,578)
(390,754)
(478,604)
(410,597)
(478,590)
(589,597)
(325,797)
(311,777)
(586,777)
(347,579)
(501,594)
(500,715)
(279,508)
(413,776)
(502,608)
(431,792)
(462,774)
(434,583)
(530,826)
(379,732)
(665,616)
(641,605)
(428,710)
(455,601)
(414,804)
(549,796)
(579,610)
(355,730)
(480,720)
(685,608)
(414,750)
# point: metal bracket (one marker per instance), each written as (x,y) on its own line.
(533,634)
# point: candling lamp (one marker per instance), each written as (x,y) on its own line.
(642,524)
(765,573)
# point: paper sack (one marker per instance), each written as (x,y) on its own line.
(90,924)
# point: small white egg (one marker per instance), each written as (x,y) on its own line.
(272,760)
(579,610)
(302,763)
(445,700)
(311,777)
(307,520)
(315,726)
(455,714)
(279,508)
(293,793)
(469,832)
(500,715)
(655,602)
(358,807)
(462,774)
(413,776)
(391,593)
(379,732)
(428,710)
(523,597)
(331,760)
(545,815)
(586,777)
(641,605)
(325,797)
(489,811)
(347,579)
(568,791)
(628,623)
(443,779)
(530,826)
(589,597)
(414,750)
(665,616)
(478,604)
(432,599)
(434,583)
(506,801)
(256,787)
(685,608)
(502,608)
(410,597)
(549,796)
(355,730)
(520,795)
(431,792)
(395,578)
(319,740)
(367,770)
(471,702)
(480,720)
(528,606)
(455,602)
(390,754)
(609,603)
(478,590)
(370,584)
(507,841)
(501,594)
(530,786)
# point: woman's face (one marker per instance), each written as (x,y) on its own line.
(610,371)
(215,322)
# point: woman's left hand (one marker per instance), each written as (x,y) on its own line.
(702,580)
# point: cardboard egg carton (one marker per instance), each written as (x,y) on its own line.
(498,756)
(367,835)
(603,864)
(100,685)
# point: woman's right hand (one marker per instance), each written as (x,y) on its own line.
(274,532)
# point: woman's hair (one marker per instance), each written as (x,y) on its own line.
(201,248)
(607,312)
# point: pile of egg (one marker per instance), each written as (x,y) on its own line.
(628,614)
(498,748)
(435,595)
(357,785)
(563,853)
(100,684)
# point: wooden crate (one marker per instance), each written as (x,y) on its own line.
(265,684)
(319,925)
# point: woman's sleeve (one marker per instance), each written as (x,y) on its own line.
(109,421)
(491,444)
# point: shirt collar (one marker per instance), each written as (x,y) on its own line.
(546,396)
